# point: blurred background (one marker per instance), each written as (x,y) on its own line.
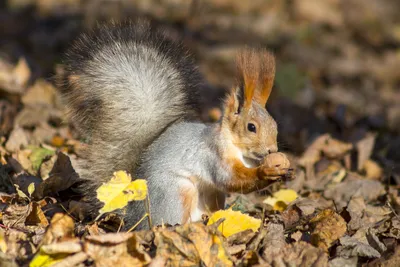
(338,61)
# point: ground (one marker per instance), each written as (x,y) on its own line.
(336,100)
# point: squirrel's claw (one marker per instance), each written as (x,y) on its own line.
(276,173)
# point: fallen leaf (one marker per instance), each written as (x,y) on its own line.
(43,259)
(234,222)
(3,243)
(61,228)
(341,193)
(116,249)
(327,227)
(372,170)
(191,244)
(36,216)
(38,155)
(41,93)
(17,140)
(20,193)
(274,240)
(31,189)
(300,254)
(15,215)
(116,193)
(61,177)
(281,199)
(351,247)
(364,149)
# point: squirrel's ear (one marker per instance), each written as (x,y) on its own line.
(234,101)
(247,75)
(256,73)
(266,77)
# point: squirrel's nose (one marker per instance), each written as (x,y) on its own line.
(272,149)
(260,155)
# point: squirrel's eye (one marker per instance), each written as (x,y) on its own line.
(251,127)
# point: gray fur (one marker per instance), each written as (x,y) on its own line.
(124,85)
(194,149)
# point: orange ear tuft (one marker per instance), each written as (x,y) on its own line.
(266,78)
(247,74)
(256,73)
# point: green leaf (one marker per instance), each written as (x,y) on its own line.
(31,189)
(38,155)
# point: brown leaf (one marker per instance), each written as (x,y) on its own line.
(364,149)
(327,227)
(372,170)
(351,247)
(61,177)
(61,228)
(41,93)
(341,193)
(15,215)
(14,79)
(36,216)
(191,244)
(301,254)
(18,139)
(68,247)
(7,115)
(116,249)
(274,241)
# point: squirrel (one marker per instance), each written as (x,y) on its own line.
(134,92)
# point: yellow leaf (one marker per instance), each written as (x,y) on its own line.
(31,189)
(235,222)
(3,243)
(116,193)
(19,192)
(43,259)
(281,199)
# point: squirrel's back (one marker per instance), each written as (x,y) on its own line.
(124,85)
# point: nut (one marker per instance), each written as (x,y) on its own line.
(277,159)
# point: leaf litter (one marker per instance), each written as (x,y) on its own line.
(342,208)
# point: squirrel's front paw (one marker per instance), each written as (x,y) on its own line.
(276,166)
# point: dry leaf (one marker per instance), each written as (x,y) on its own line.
(41,93)
(300,254)
(372,170)
(274,240)
(364,149)
(327,227)
(351,247)
(341,193)
(61,228)
(234,222)
(116,249)
(61,177)
(3,243)
(36,216)
(15,215)
(120,190)
(191,244)
(17,140)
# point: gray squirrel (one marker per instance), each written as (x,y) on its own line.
(133,91)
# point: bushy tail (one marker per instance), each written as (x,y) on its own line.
(124,85)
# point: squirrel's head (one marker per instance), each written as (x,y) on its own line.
(246,121)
